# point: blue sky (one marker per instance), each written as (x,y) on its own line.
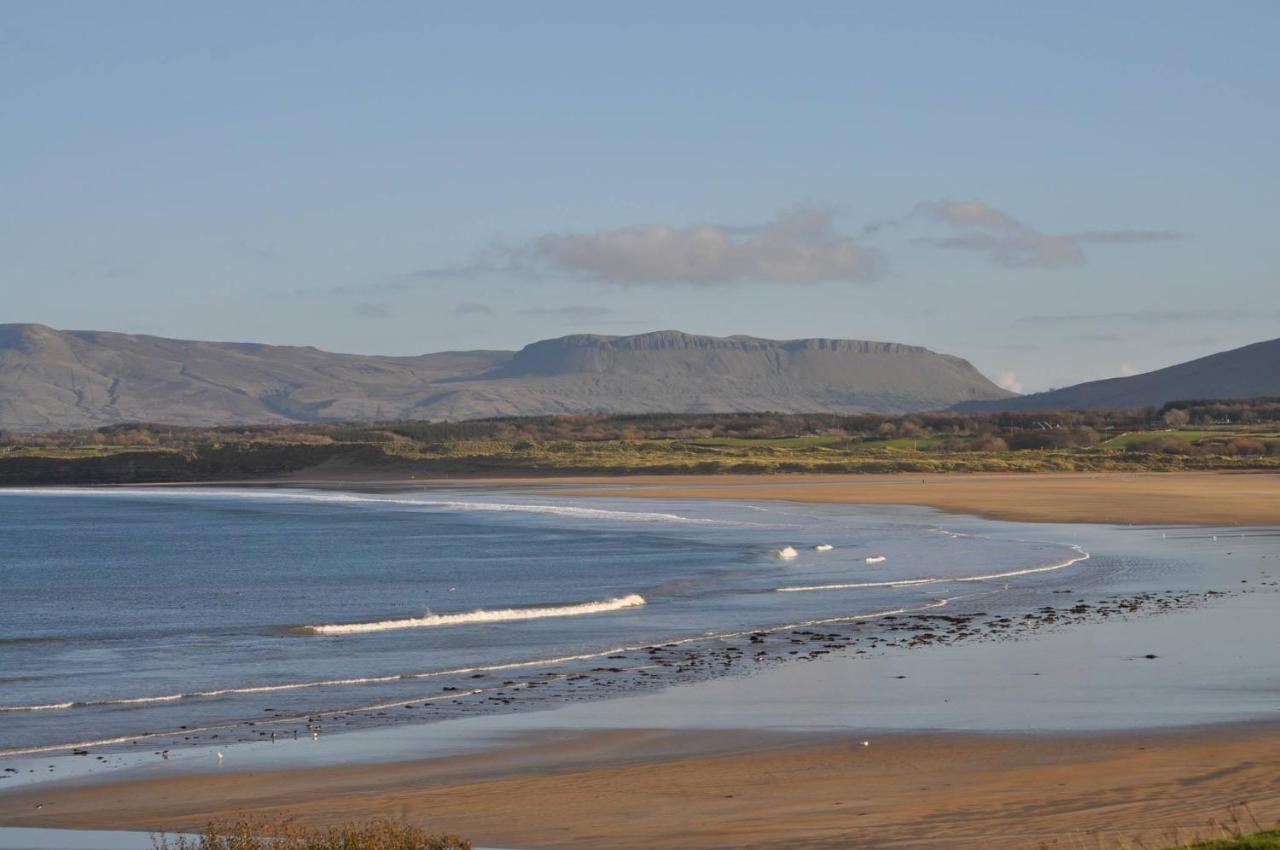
(1056,192)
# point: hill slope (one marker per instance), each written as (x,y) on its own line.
(1248,372)
(53,379)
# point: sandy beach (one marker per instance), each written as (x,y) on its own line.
(656,789)
(1147,498)
(729,787)
(1207,498)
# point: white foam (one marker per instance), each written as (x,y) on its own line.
(876,559)
(500,615)
(786,553)
(354,498)
(44,748)
(823,547)
(52,706)
(322,683)
(1084,556)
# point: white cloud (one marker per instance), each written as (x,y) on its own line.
(1008,379)
(1011,243)
(972,214)
(800,246)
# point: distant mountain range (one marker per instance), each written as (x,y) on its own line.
(51,379)
(1249,372)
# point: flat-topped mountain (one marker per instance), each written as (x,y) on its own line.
(52,379)
(1249,372)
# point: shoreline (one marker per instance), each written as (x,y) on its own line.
(1208,498)
(1113,498)
(716,786)
(652,788)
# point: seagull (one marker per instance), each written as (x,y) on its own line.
(219,758)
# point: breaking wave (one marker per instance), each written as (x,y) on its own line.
(911,582)
(354,498)
(499,615)
(480,668)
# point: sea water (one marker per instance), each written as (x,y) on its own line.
(137,612)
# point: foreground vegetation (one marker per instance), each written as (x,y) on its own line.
(263,834)
(1243,435)
(1269,840)
(251,834)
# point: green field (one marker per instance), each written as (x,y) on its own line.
(628,445)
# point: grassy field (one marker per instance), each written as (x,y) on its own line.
(174,455)
(1185,436)
(1192,436)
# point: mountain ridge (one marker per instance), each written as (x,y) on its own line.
(52,379)
(1250,371)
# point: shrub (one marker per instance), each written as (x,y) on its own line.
(1246,446)
(1165,445)
(989,443)
(262,834)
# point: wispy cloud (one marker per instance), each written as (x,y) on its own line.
(1018,250)
(1127,237)
(571,311)
(800,246)
(1010,242)
(473,308)
(1152,317)
(1097,337)
(972,214)
(372,310)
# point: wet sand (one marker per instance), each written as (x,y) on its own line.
(1138,498)
(701,789)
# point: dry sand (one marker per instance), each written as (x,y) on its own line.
(1195,498)
(596,790)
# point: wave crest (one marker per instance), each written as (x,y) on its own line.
(283,495)
(481,615)
(911,582)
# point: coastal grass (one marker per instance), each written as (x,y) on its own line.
(1269,840)
(738,444)
(264,834)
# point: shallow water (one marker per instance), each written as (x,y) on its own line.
(144,611)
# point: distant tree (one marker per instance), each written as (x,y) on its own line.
(1176,417)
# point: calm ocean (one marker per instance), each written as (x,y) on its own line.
(138,611)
